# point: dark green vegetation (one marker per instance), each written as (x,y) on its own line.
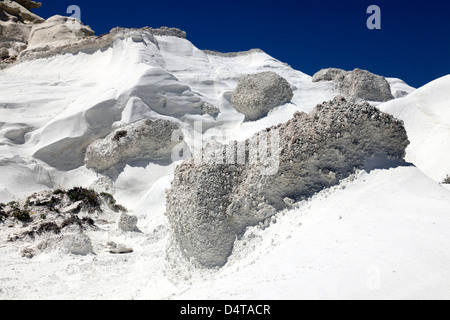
(120,134)
(48,204)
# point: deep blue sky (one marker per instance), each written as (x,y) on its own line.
(413,44)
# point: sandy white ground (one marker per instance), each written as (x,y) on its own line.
(375,236)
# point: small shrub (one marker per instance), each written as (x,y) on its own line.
(21,215)
(13,204)
(75,220)
(48,227)
(58,192)
(3,213)
(446,180)
(107,196)
(89,197)
(119,135)
(111,202)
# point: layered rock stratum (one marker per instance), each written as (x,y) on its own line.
(16,22)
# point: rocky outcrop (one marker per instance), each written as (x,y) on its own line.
(13,11)
(26,36)
(231,54)
(57,220)
(357,85)
(330,74)
(58,30)
(16,22)
(166,32)
(145,139)
(86,44)
(21,31)
(215,196)
(257,94)
(29,4)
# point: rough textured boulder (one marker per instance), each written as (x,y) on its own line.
(77,243)
(329,74)
(210,203)
(357,85)
(127,222)
(145,139)
(257,94)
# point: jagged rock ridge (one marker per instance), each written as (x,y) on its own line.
(145,139)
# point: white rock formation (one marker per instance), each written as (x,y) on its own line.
(57,31)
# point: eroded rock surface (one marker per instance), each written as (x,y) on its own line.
(357,85)
(145,139)
(257,94)
(215,196)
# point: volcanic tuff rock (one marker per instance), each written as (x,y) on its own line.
(212,202)
(127,222)
(257,94)
(166,32)
(58,30)
(145,139)
(329,74)
(358,85)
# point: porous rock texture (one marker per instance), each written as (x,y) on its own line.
(166,32)
(329,74)
(127,222)
(256,94)
(150,139)
(210,203)
(357,85)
